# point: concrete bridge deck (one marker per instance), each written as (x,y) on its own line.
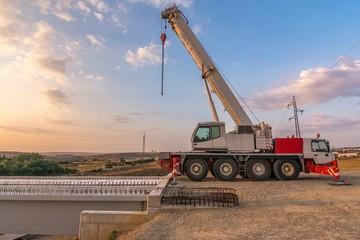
(52,205)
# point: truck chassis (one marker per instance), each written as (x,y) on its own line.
(256,166)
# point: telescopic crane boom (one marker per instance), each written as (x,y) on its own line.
(246,136)
(206,65)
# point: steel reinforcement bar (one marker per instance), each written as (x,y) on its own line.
(215,197)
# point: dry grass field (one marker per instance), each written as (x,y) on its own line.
(349,164)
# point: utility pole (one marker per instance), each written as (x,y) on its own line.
(143,148)
(296,110)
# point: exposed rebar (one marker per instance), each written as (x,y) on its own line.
(215,197)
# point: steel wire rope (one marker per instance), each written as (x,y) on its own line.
(330,69)
(348,83)
(233,88)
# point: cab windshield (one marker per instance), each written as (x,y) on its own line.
(319,146)
(207,133)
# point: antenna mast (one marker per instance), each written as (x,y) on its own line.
(143,148)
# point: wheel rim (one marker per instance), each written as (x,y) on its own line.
(196,168)
(287,169)
(226,169)
(258,169)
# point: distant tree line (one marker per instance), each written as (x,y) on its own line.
(31,164)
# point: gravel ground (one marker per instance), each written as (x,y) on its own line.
(307,208)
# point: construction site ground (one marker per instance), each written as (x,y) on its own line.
(307,208)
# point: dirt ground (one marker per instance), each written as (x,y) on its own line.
(307,208)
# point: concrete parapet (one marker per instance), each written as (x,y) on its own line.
(154,197)
(98,225)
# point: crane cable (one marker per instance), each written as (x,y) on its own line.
(236,92)
(163,39)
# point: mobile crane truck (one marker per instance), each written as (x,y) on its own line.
(249,150)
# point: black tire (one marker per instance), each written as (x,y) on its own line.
(286,169)
(212,172)
(226,169)
(258,170)
(272,175)
(196,169)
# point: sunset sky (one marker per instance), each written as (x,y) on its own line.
(85,76)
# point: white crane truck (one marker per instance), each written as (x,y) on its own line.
(249,150)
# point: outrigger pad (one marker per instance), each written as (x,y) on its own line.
(339,183)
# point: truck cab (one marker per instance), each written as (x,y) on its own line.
(318,150)
(209,136)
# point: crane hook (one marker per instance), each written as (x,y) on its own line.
(162,38)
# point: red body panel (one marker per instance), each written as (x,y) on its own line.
(330,168)
(288,145)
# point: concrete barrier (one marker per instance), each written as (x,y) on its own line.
(154,197)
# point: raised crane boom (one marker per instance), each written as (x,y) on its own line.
(206,65)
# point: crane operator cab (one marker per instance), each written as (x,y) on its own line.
(212,137)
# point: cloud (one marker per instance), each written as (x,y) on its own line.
(313,86)
(91,77)
(62,4)
(321,121)
(116,20)
(83,7)
(135,113)
(65,16)
(11,25)
(42,58)
(55,65)
(62,121)
(164,3)
(318,122)
(44,6)
(121,7)
(148,55)
(34,50)
(59,8)
(99,5)
(157,113)
(44,33)
(67,9)
(56,97)
(197,28)
(99,16)
(121,119)
(96,42)
(20,129)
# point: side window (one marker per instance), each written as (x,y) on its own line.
(215,132)
(319,146)
(202,134)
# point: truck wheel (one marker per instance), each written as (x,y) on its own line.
(226,169)
(258,170)
(286,169)
(212,172)
(196,169)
